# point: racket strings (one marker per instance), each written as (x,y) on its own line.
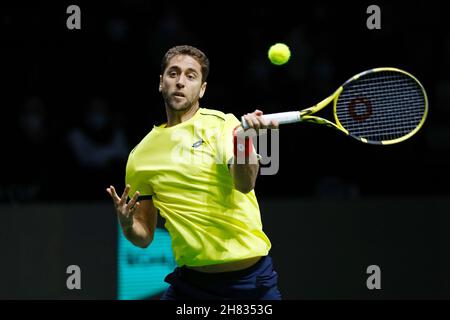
(381,106)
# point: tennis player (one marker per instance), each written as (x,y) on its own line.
(210,206)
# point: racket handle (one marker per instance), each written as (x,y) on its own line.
(281,117)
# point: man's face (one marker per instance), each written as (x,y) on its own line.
(181,84)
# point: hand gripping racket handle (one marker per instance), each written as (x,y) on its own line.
(281,117)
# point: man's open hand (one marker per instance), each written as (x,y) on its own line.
(125,211)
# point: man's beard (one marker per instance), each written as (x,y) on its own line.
(168,99)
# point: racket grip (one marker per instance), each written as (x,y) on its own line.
(281,117)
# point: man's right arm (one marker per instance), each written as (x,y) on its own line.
(141,231)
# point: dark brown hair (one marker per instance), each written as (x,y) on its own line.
(195,53)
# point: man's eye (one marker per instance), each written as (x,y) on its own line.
(172,74)
(191,76)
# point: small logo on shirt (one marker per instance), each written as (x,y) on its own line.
(197,144)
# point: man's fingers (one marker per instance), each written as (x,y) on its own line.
(253,122)
(133,209)
(273,124)
(133,201)
(264,122)
(124,197)
(113,194)
(249,120)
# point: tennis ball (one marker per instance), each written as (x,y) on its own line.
(279,54)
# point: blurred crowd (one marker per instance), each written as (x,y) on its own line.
(82,101)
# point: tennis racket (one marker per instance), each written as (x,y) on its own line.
(378,106)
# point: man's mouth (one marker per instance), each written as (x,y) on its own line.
(178,94)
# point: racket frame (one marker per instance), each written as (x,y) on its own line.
(305,115)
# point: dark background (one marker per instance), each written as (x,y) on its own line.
(53,79)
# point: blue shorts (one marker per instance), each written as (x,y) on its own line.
(258,282)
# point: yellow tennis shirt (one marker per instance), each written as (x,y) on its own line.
(184,169)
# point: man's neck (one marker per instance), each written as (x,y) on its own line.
(176,117)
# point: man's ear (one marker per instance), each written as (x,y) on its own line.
(202,89)
(160,83)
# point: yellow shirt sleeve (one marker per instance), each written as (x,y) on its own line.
(137,180)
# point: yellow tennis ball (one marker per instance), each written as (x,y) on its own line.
(279,54)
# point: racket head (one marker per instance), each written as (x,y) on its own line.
(381,106)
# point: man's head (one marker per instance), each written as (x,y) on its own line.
(184,70)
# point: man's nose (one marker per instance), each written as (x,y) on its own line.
(180,81)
